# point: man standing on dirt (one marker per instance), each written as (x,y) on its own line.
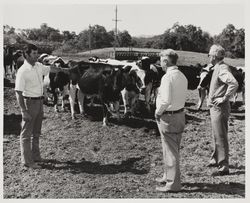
(29,93)
(170,118)
(223,85)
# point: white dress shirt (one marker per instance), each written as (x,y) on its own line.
(172,91)
(29,79)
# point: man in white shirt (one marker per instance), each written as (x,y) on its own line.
(223,85)
(29,93)
(170,118)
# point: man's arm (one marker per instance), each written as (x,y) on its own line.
(166,96)
(20,100)
(227,77)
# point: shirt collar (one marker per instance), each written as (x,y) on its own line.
(172,68)
(220,62)
(27,64)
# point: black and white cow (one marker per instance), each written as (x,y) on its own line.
(206,75)
(102,80)
(56,83)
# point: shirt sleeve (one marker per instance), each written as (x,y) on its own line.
(227,77)
(20,81)
(165,95)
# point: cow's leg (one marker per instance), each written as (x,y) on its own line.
(5,71)
(105,115)
(12,71)
(243,95)
(64,93)
(125,100)
(45,94)
(148,90)
(55,100)
(92,101)
(134,97)
(72,97)
(202,95)
(81,101)
(117,109)
(235,96)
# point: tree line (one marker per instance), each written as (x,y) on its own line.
(178,37)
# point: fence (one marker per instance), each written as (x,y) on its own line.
(132,55)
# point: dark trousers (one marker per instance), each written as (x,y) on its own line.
(219,121)
(31,131)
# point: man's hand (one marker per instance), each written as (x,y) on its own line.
(26,116)
(157,117)
(218,101)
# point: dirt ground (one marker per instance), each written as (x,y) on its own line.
(87,160)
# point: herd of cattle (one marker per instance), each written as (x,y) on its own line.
(111,81)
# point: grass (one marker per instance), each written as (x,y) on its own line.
(185,57)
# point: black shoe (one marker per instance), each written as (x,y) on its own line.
(220,173)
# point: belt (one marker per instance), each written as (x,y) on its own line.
(34,98)
(173,112)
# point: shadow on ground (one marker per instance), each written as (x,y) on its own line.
(12,124)
(221,188)
(135,165)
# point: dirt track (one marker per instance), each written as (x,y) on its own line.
(120,161)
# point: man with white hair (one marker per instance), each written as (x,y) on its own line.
(170,118)
(223,85)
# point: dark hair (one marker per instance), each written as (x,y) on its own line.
(28,48)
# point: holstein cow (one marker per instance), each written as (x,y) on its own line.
(203,87)
(8,60)
(96,79)
(141,77)
(154,75)
(18,59)
(192,74)
(238,73)
(241,80)
(55,82)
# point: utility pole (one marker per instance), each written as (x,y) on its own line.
(116,20)
(90,39)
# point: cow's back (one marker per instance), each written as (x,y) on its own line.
(192,74)
(91,82)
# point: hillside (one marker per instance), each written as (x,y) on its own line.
(185,57)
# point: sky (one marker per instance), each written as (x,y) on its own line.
(138,19)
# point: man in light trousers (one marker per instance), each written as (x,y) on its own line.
(223,85)
(170,118)
(29,93)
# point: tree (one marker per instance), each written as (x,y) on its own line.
(124,38)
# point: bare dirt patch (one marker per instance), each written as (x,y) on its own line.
(87,160)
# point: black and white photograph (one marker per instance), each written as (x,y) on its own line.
(123,100)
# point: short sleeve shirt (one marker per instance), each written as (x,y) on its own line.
(29,79)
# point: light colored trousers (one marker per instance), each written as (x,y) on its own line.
(30,144)
(171,127)
(219,121)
